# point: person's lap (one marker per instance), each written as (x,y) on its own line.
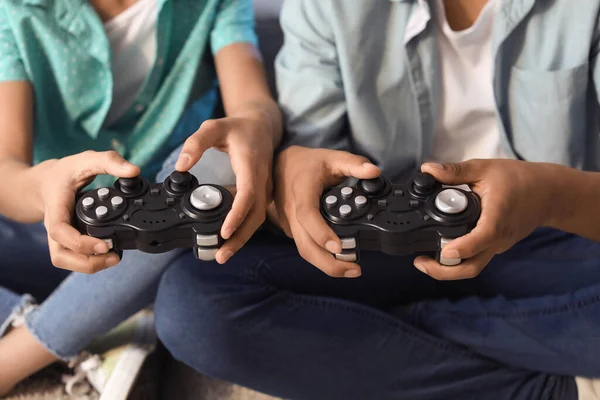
(267,313)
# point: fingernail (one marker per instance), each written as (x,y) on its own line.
(370,165)
(227,256)
(226,234)
(421,268)
(111,261)
(100,248)
(451,254)
(183,161)
(352,273)
(333,247)
(435,165)
(126,164)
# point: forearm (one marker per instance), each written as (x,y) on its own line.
(244,87)
(20,198)
(575,206)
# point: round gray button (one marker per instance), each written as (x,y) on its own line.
(103,193)
(345,210)
(101,212)
(87,203)
(347,192)
(206,198)
(331,201)
(117,201)
(451,201)
(360,201)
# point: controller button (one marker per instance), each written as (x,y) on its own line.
(154,191)
(207,254)
(413,203)
(382,203)
(424,184)
(331,201)
(360,201)
(101,212)
(181,215)
(117,201)
(110,243)
(449,262)
(87,203)
(399,193)
(348,243)
(103,193)
(126,217)
(206,198)
(373,186)
(207,240)
(426,217)
(370,217)
(345,210)
(170,201)
(347,192)
(451,201)
(138,202)
(347,257)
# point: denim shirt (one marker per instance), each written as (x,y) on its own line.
(364,76)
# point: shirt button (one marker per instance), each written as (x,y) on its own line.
(139,108)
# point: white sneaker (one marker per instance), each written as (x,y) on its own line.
(114,361)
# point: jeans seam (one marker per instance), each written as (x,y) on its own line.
(570,306)
(252,274)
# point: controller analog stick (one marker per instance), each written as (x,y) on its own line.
(130,185)
(424,184)
(373,186)
(451,201)
(180,181)
(206,198)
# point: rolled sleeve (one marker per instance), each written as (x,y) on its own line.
(11,63)
(310,85)
(234,24)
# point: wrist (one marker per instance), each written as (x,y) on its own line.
(563,187)
(266,114)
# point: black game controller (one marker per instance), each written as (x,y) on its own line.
(419,216)
(156,218)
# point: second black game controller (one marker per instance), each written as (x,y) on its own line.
(399,219)
(156,218)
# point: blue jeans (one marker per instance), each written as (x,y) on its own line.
(268,320)
(76,308)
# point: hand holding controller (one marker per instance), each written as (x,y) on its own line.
(156,218)
(419,216)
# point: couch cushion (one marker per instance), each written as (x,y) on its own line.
(269,33)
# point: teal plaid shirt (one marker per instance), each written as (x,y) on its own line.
(60,46)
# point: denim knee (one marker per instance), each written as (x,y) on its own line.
(199,309)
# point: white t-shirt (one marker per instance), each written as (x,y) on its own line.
(132,37)
(467,127)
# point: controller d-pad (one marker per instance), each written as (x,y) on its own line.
(101,212)
(451,201)
(206,198)
(88,203)
(345,210)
